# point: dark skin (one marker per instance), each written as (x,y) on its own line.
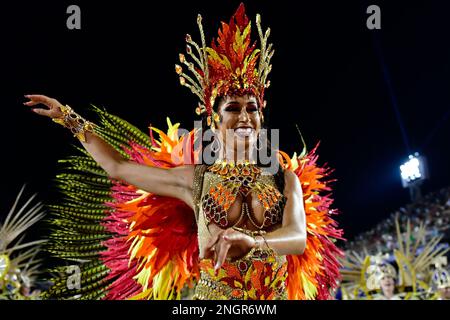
(236,112)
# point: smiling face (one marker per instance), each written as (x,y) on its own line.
(387,285)
(240,123)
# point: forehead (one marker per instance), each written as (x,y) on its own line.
(240,99)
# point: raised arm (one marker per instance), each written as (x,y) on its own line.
(176,182)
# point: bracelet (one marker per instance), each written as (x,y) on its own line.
(262,235)
(258,247)
(75,123)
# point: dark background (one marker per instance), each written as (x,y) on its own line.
(327,77)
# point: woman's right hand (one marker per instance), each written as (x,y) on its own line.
(54,106)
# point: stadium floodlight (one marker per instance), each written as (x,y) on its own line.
(413,172)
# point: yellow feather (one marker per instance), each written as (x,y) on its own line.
(309,288)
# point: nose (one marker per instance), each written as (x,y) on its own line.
(243,115)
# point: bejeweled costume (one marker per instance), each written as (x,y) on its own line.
(261,274)
(131,244)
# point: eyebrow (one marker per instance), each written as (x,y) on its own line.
(235,101)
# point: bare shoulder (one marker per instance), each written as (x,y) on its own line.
(291,180)
(290,177)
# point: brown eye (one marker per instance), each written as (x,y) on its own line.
(252,108)
(232,108)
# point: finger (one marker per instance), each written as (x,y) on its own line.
(213,240)
(41,99)
(42,112)
(233,237)
(31,103)
(209,248)
(222,252)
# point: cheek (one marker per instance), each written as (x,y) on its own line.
(256,119)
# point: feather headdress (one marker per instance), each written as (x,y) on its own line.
(231,65)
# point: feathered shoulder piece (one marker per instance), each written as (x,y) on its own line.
(315,273)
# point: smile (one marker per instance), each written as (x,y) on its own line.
(244,132)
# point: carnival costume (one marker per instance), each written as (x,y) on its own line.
(439,278)
(362,272)
(19,265)
(131,244)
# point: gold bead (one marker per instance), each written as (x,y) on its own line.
(208,120)
(182,81)
(188,38)
(182,58)
(198,111)
(178,69)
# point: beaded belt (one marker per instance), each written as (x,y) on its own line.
(256,280)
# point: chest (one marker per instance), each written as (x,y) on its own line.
(251,201)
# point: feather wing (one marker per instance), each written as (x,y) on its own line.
(315,273)
(125,242)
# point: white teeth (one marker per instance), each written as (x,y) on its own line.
(245,132)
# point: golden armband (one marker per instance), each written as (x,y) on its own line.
(75,123)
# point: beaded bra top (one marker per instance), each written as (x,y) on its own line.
(242,179)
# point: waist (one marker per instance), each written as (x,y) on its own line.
(244,279)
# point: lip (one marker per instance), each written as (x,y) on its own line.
(244,132)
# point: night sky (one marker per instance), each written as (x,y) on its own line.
(327,77)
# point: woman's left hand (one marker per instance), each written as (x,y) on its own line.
(228,243)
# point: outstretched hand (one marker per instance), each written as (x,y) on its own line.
(53,105)
(227,243)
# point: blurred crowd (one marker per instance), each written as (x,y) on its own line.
(433,210)
(404,256)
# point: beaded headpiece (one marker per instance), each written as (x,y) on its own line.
(441,277)
(232,65)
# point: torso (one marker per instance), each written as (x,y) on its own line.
(242,196)
(221,201)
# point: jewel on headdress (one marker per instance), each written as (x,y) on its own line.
(208,120)
(198,111)
(182,81)
(231,65)
(178,69)
(258,18)
(216,117)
